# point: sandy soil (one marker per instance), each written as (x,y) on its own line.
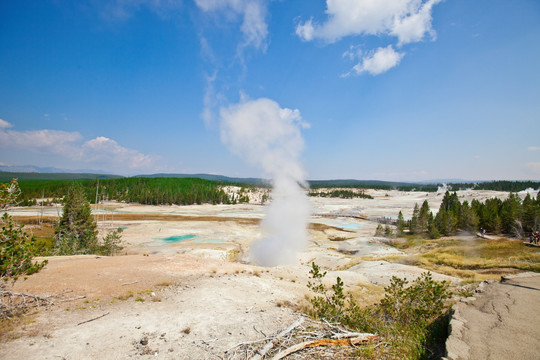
(199,297)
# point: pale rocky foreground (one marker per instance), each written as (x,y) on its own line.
(501,321)
(200,297)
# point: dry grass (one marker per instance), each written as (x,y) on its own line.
(233,255)
(18,326)
(165,283)
(365,294)
(471,259)
(125,296)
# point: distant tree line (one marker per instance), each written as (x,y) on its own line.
(375,185)
(148,191)
(501,185)
(512,216)
(344,194)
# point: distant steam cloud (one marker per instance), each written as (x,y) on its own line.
(269,136)
(443,188)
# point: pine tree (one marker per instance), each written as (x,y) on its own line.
(413,224)
(76,231)
(467,218)
(510,212)
(423,217)
(400,224)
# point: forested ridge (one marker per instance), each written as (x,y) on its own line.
(148,191)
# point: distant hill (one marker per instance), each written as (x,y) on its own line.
(46,170)
(454,184)
(7,176)
(222,178)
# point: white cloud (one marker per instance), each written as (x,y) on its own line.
(254,27)
(306,31)
(416,24)
(108,152)
(53,141)
(378,61)
(353,53)
(533,148)
(101,152)
(408,20)
(4,124)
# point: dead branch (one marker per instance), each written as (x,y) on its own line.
(270,344)
(99,317)
(12,302)
(249,343)
(129,283)
(27,296)
(348,335)
(74,298)
(364,339)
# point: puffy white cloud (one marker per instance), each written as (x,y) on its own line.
(53,141)
(306,31)
(408,20)
(254,27)
(101,152)
(378,61)
(416,24)
(105,151)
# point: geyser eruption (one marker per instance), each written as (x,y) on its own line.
(269,137)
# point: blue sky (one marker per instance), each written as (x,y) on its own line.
(392,90)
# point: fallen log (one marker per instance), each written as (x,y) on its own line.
(363,339)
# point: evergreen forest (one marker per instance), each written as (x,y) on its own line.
(147,191)
(513,216)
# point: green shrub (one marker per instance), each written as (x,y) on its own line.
(112,243)
(412,320)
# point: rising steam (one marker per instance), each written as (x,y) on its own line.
(269,136)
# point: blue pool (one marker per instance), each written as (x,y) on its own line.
(177,238)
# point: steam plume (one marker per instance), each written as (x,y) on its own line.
(269,136)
